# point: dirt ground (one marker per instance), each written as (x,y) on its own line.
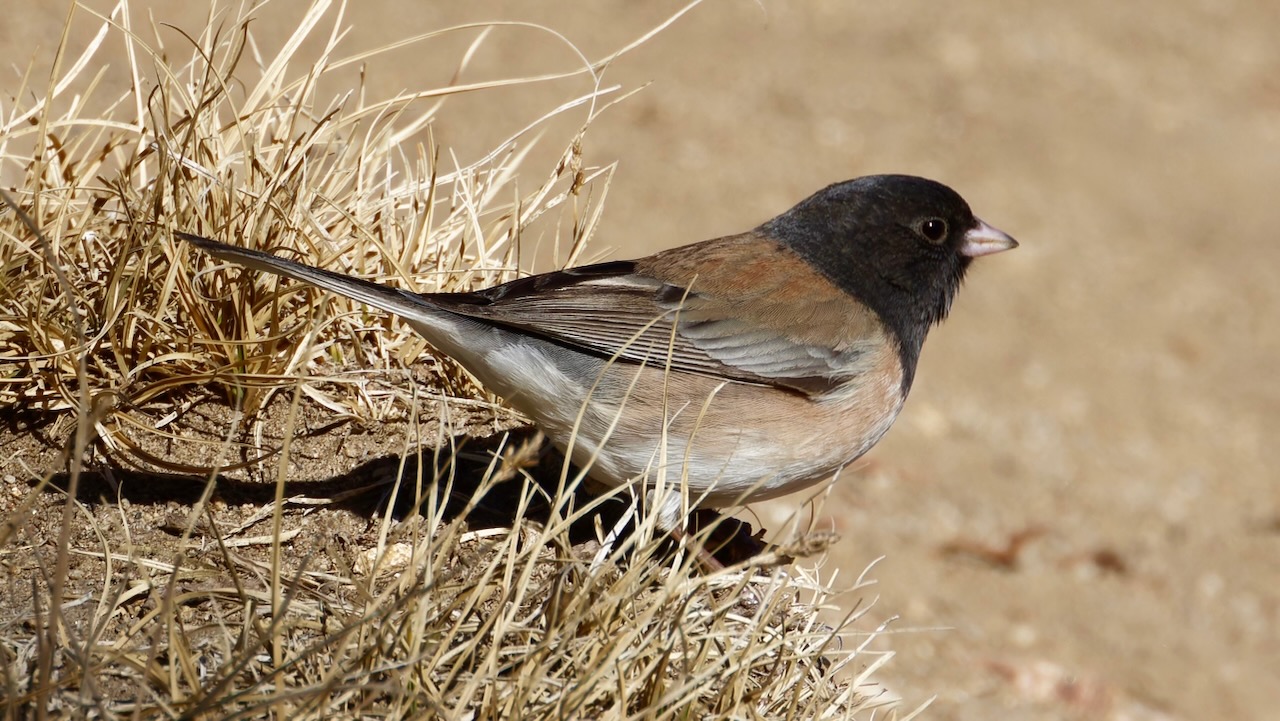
(1078,513)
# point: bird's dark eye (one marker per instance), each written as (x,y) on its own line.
(934,229)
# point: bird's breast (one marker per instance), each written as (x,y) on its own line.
(725,441)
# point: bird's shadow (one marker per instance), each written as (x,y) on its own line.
(460,475)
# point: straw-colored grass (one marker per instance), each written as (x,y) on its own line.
(130,355)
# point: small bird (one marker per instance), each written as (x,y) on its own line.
(739,368)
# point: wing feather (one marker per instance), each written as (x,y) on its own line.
(614,312)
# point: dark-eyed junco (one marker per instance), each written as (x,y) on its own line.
(739,368)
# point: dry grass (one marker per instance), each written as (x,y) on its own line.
(115,340)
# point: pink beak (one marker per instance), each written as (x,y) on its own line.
(983,239)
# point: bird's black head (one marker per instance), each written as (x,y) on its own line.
(898,243)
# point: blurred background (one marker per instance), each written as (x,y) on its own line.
(1078,513)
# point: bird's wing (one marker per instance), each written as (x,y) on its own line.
(625,311)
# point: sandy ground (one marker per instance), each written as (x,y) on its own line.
(1078,511)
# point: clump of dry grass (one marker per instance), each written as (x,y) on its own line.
(113,336)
